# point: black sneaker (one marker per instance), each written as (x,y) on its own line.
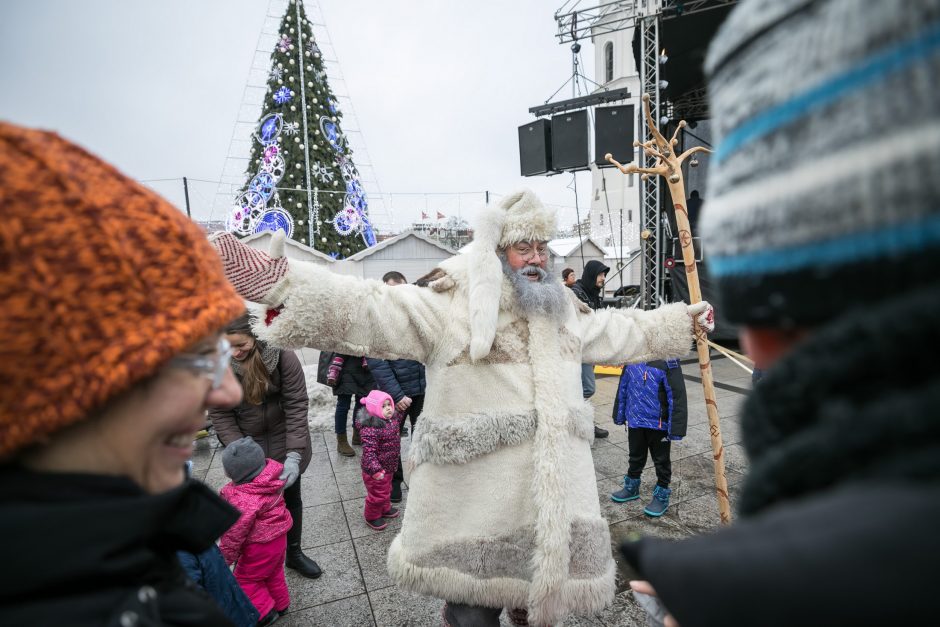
(600,433)
(377,525)
(391,513)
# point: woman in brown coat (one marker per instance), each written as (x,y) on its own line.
(274,414)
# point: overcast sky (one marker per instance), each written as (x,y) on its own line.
(439,87)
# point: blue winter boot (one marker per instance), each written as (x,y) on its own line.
(630,492)
(660,502)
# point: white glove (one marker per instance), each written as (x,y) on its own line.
(704,315)
(291,469)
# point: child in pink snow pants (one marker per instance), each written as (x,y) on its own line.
(381,448)
(257,543)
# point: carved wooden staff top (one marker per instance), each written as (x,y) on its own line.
(669,166)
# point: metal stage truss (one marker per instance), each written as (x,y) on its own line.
(578,20)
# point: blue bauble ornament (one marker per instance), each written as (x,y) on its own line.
(269,128)
(276,220)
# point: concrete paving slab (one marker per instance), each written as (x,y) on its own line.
(318,486)
(372,551)
(342,578)
(350,612)
(394,607)
(324,524)
(609,460)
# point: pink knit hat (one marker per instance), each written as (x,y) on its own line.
(374,402)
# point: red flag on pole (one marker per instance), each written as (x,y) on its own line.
(424,216)
(440,216)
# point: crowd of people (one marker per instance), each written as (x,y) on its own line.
(123,327)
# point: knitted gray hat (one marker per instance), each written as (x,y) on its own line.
(824,189)
(243,460)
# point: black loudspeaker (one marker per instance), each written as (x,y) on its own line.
(535,147)
(613,133)
(570,141)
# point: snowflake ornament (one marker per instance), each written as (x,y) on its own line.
(282,96)
(284,44)
(323,173)
(276,74)
(314,49)
(291,128)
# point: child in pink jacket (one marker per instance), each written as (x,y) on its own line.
(381,448)
(257,543)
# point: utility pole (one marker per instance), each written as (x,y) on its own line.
(186,193)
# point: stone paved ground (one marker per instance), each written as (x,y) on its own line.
(355,589)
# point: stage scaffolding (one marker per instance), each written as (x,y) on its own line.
(578,20)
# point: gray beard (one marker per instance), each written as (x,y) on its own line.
(545,297)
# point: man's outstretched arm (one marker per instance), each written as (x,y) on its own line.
(617,336)
(311,306)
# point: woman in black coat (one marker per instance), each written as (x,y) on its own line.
(112,353)
(354,379)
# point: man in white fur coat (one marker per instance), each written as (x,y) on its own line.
(503,508)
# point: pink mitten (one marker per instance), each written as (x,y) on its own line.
(704,315)
(255,275)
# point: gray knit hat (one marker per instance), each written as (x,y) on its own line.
(243,460)
(824,189)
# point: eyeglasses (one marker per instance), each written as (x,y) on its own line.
(527,252)
(213,366)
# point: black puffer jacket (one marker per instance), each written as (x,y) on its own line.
(399,377)
(586,288)
(97,550)
(354,379)
(838,514)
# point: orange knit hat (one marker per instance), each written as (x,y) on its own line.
(101,280)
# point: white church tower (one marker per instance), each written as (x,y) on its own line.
(614,194)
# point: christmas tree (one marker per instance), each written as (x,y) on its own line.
(301,177)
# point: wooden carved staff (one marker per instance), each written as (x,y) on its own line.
(669,166)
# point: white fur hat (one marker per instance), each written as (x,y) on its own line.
(520,217)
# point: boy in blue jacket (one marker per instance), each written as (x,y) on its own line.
(651,401)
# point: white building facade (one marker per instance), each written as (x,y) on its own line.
(615,197)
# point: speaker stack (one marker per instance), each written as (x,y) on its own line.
(613,133)
(535,148)
(570,141)
(562,143)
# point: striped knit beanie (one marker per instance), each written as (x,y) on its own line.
(101,280)
(824,190)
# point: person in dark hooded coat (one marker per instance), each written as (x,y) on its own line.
(589,289)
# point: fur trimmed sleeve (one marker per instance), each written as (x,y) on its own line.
(352,316)
(618,336)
